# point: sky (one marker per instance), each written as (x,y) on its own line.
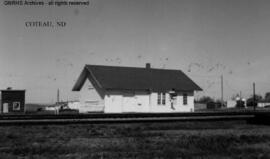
(205,39)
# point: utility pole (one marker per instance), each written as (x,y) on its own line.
(254,107)
(240,94)
(58,95)
(221,90)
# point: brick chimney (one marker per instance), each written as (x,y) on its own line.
(147,65)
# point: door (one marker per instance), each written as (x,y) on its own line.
(5,108)
(175,101)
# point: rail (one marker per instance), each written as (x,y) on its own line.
(6,119)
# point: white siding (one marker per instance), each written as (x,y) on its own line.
(143,103)
(137,102)
(231,104)
(120,102)
(90,100)
(74,105)
(178,105)
(113,103)
(190,102)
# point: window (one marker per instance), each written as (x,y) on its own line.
(185,101)
(16,105)
(161,100)
(90,87)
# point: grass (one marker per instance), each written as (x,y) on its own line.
(230,139)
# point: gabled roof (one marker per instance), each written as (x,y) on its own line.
(134,78)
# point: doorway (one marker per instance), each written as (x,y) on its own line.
(5,108)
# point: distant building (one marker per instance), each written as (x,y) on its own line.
(111,89)
(55,108)
(73,105)
(200,106)
(262,104)
(13,101)
(237,103)
(231,104)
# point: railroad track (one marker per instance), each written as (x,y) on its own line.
(127,117)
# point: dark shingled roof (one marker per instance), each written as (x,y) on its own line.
(133,78)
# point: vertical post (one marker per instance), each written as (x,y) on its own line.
(1,103)
(254,96)
(58,95)
(240,95)
(221,90)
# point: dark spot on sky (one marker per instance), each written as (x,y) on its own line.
(194,64)
(118,60)
(221,66)
(211,69)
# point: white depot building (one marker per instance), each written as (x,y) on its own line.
(111,89)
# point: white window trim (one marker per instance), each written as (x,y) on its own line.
(13,105)
(185,95)
(162,100)
(158,98)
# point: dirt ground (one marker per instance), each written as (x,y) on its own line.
(216,139)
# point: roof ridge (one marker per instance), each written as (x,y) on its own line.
(133,67)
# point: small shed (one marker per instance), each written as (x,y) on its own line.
(13,101)
(231,103)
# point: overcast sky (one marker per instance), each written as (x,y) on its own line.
(203,38)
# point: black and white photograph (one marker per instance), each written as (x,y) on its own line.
(168,79)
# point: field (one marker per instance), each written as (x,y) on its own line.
(217,139)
